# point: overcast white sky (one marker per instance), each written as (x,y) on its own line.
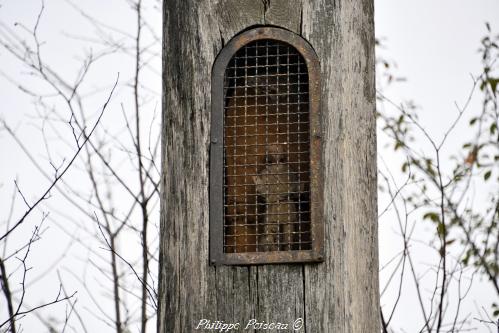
(434,44)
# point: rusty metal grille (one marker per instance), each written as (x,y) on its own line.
(266,195)
(266,131)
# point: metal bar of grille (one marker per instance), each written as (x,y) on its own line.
(266,133)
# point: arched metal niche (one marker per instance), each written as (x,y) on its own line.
(265,156)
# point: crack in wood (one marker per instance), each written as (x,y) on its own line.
(304,300)
(266,5)
(301,19)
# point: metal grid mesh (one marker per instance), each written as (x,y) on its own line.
(266,150)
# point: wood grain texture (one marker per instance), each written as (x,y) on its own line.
(342,35)
(339,295)
(283,13)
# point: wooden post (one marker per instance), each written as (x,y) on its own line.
(338,295)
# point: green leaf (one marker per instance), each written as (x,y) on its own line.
(434,217)
(405,166)
(473,120)
(398,144)
(487,175)
(493,82)
(400,120)
(493,128)
(449,242)
(429,167)
(441,229)
(482,85)
(467,257)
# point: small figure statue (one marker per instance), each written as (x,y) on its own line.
(277,184)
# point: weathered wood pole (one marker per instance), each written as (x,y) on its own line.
(338,295)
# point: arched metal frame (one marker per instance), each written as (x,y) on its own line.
(217,255)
